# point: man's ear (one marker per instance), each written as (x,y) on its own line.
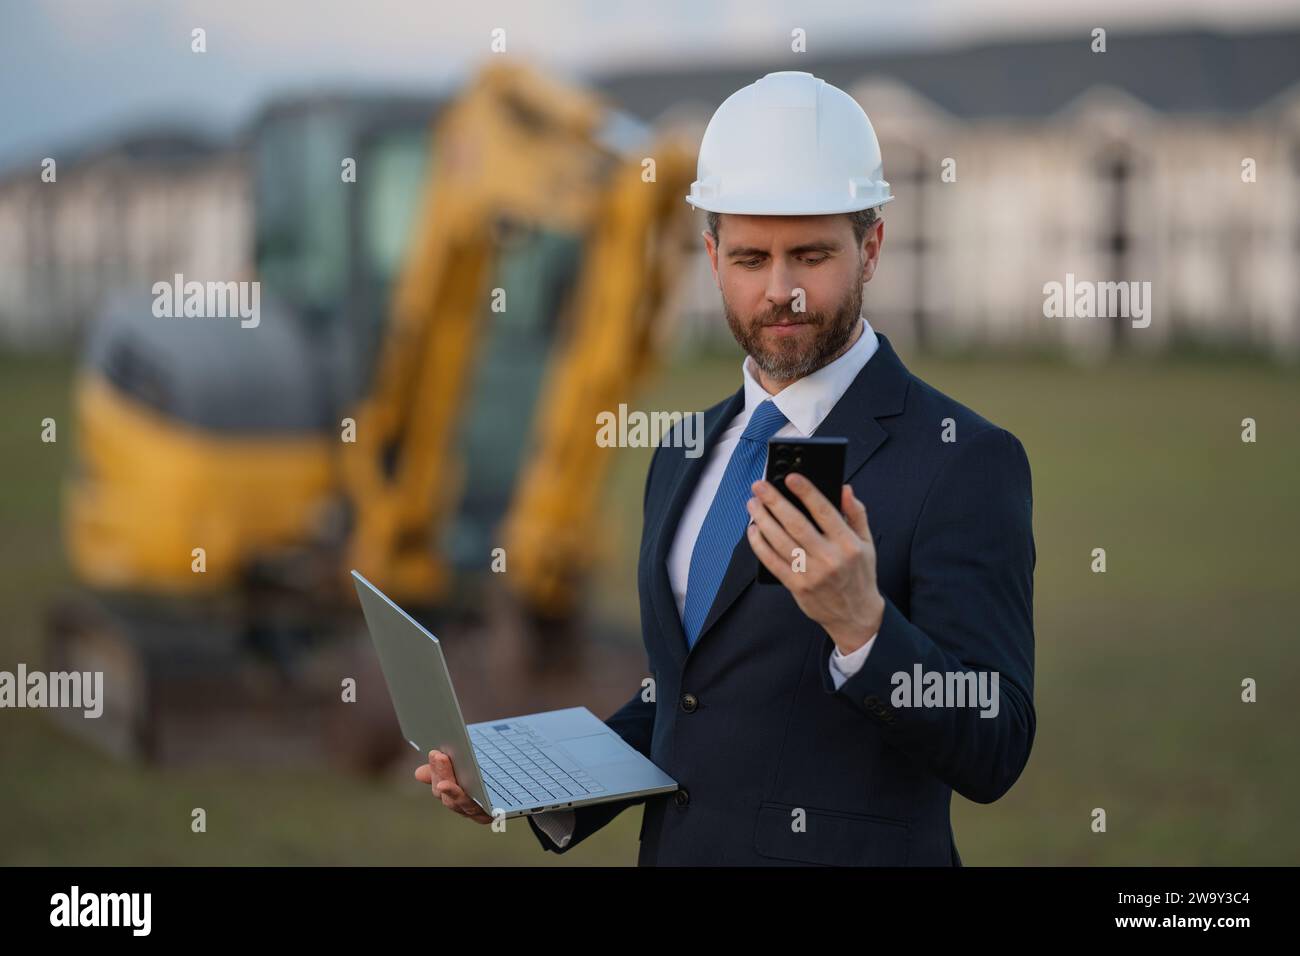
(711,247)
(871,246)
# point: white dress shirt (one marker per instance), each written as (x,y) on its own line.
(805,404)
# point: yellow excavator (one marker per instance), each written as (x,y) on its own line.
(450,294)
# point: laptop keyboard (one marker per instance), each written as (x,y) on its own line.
(512,761)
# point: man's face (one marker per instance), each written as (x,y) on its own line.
(760,263)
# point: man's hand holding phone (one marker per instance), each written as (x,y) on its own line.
(837,586)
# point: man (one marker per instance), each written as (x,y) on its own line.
(788,714)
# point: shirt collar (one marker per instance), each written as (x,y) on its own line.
(806,402)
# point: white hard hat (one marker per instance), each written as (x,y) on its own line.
(789,145)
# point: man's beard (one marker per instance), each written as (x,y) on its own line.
(787,360)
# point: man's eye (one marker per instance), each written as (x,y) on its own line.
(816,262)
(750,263)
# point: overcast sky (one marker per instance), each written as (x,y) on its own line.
(71,70)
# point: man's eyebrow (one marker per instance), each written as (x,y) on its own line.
(823,245)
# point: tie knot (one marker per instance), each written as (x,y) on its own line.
(766,421)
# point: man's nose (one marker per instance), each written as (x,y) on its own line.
(780,286)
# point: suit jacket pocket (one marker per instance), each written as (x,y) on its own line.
(830,837)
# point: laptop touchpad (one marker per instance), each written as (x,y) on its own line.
(596,749)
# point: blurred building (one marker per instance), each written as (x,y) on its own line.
(1123,165)
(1118,166)
(119,216)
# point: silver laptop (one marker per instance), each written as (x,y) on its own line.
(522,765)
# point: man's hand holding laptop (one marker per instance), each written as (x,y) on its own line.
(440,774)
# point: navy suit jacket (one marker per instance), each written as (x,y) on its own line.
(749,722)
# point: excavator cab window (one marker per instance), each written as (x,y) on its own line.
(397,168)
(537,269)
(300,226)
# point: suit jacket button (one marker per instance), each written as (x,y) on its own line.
(681,798)
(871,702)
(689,703)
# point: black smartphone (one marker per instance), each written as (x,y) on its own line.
(820,460)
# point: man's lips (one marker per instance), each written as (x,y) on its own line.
(785,327)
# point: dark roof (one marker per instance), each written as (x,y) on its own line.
(153,145)
(1194,71)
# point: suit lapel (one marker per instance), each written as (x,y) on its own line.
(688,476)
(878,391)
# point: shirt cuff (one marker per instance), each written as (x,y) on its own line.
(844,666)
(558,825)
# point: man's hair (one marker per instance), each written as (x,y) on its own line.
(862,220)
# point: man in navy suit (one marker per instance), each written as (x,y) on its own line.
(826,720)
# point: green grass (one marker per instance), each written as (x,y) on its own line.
(1138,669)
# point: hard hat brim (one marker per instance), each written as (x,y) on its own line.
(807,207)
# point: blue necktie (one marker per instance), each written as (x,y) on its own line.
(727,517)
